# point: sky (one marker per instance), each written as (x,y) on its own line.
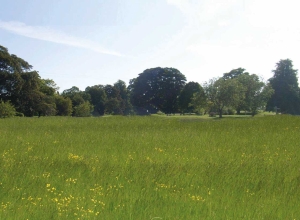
(85,43)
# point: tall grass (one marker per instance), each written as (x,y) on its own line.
(149,168)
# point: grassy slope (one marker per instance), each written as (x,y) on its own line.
(147,167)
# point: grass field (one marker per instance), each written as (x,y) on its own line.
(150,168)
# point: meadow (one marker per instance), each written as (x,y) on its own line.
(150,168)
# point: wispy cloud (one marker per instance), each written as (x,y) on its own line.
(51,35)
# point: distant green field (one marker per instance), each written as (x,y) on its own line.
(150,168)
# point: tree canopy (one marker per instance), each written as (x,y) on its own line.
(157,89)
(24,92)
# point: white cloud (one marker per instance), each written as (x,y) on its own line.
(51,35)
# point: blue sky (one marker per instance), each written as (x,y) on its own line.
(85,43)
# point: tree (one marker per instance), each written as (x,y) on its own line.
(11,68)
(29,97)
(63,106)
(7,110)
(98,98)
(286,88)
(199,102)
(186,96)
(113,106)
(223,93)
(259,98)
(256,93)
(123,97)
(242,77)
(24,88)
(157,89)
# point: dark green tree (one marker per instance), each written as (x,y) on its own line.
(11,68)
(186,96)
(123,97)
(113,104)
(24,88)
(63,106)
(157,89)
(98,98)
(286,88)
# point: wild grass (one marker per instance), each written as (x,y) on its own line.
(149,168)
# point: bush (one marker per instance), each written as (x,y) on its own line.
(7,110)
(83,110)
(19,114)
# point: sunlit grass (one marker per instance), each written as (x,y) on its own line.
(149,168)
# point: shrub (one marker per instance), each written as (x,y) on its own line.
(83,110)
(7,110)
(19,114)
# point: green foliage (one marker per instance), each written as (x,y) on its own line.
(83,110)
(79,98)
(7,110)
(255,92)
(199,103)
(147,167)
(98,98)
(186,99)
(25,89)
(113,106)
(48,87)
(157,89)
(224,93)
(124,97)
(235,73)
(63,106)
(286,89)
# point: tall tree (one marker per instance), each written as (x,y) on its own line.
(157,88)
(24,88)
(113,104)
(286,88)
(11,68)
(124,97)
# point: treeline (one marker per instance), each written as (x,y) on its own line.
(165,90)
